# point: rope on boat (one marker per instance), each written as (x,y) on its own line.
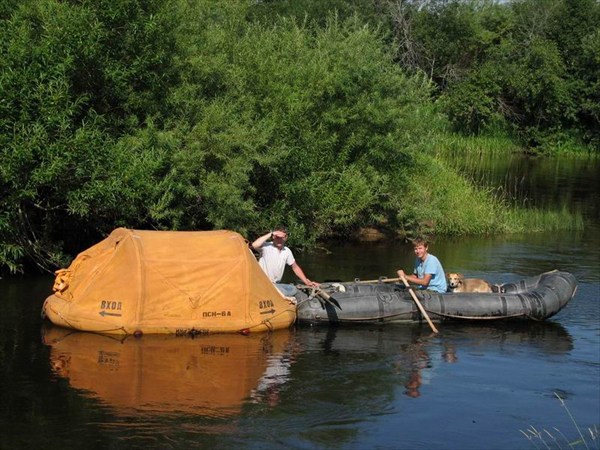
(267,322)
(315,293)
(452,316)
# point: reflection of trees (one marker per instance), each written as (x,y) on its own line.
(548,337)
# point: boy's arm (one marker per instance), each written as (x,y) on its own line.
(415,279)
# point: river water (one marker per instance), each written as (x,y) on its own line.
(471,386)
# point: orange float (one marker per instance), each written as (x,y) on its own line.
(167,282)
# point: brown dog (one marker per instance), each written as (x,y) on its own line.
(458,283)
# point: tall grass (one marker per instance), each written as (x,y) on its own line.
(521,219)
(449,145)
(556,439)
(479,203)
(458,205)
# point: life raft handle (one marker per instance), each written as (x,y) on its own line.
(61,282)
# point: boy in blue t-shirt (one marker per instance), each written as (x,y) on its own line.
(428,273)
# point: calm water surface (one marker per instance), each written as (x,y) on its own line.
(392,387)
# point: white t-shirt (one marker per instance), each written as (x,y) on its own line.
(273,261)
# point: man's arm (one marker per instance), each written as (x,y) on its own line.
(259,242)
(300,274)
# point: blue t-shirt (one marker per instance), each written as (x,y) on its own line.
(432,266)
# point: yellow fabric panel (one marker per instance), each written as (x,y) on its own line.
(206,375)
(168,282)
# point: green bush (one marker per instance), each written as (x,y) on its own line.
(309,127)
(74,78)
(200,115)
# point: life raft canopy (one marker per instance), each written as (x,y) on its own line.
(182,282)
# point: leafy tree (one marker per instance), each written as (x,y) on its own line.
(537,83)
(473,104)
(520,63)
(445,39)
(317,11)
(74,77)
(311,127)
(575,27)
(240,115)
(590,92)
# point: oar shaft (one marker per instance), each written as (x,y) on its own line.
(318,291)
(419,305)
(379,280)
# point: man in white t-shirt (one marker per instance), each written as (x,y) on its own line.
(274,256)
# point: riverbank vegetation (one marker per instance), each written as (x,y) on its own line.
(326,116)
(556,439)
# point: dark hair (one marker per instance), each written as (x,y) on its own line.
(420,241)
(281,228)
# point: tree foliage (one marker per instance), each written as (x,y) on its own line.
(525,65)
(193,116)
(303,126)
(171,114)
(75,78)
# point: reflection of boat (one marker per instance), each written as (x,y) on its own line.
(209,375)
(547,336)
(535,298)
(176,282)
(407,355)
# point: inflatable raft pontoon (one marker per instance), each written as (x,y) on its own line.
(536,298)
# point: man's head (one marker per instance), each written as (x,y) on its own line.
(280,228)
(280,236)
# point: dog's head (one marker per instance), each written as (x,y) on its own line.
(455,280)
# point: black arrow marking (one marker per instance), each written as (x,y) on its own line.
(104,313)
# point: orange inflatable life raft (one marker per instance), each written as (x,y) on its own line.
(175,282)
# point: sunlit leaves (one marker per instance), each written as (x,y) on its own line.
(301,125)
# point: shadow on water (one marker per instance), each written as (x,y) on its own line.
(410,347)
(547,336)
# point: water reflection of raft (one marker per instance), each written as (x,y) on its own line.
(209,375)
(535,298)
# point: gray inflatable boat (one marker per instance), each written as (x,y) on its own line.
(536,298)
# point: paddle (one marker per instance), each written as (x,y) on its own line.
(321,293)
(379,280)
(419,305)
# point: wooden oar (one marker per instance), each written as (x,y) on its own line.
(321,293)
(379,280)
(419,305)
